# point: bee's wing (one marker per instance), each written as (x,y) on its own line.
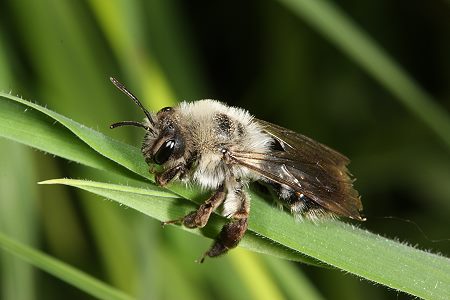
(308,168)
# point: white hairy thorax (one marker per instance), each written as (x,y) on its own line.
(203,119)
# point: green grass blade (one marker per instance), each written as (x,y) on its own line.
(359,252)
(47,136)
(30,127)
(61,270)
(338,244)
(330,21)
(18,217)
(252,270)
(344,246)
(291,278)
(125,36)
(164,206)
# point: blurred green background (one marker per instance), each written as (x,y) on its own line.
(259,55)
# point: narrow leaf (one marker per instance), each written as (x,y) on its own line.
(339,29)
(123,154)
(61,270)
(165,206)
(28,126)
(335,243)
(338,244)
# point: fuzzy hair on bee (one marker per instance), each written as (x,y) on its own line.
(224,149)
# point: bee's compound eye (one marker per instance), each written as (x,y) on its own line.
(164,152)
(166,109)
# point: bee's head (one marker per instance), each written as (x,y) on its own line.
(164,141)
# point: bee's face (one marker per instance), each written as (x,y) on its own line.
(166,142)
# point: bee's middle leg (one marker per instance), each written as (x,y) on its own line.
(200,217)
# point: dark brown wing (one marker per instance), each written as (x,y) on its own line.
(308,168)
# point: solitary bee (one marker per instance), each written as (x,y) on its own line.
(223,148)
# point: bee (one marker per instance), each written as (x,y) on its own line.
(224,149)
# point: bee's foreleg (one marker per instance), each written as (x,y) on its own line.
(165,177)
(200,217)
(232,232)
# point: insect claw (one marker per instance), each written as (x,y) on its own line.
(177,222)
(201,259)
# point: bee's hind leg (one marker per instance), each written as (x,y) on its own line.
(200,217)
(232,232)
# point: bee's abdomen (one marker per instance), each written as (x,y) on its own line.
(299,204)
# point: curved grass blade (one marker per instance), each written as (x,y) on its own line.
(32,128)
(341,245)
(292,279)
(61,270)
(338,244)
(330,21)
(125,155)
(162,205)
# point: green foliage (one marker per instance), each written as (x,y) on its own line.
(340,30)
(335,243)
(64,272)
(257,55)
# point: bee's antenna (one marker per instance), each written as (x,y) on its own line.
(121,87)
(132,123)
